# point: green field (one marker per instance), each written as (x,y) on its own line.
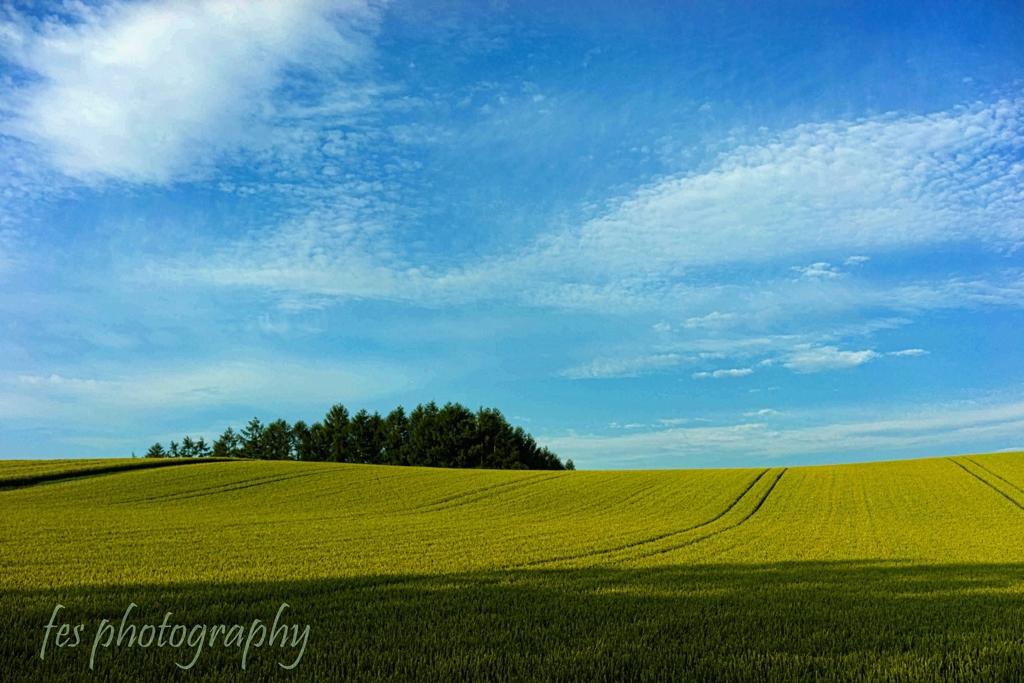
(910,570)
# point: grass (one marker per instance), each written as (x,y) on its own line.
(886,571)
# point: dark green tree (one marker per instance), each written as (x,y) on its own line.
(337,425)
(495,445)
(277,441)
(456,435)
(301,441)
(156,451)
(395,437)
(321,440)
(366,437)
(424,446)
(229,445)
(252,440)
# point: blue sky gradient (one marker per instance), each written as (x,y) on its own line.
(654,234)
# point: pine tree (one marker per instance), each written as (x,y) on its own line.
(252,440)
(228,445)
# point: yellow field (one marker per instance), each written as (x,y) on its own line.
(907,570)
(263,520)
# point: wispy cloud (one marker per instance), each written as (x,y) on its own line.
(713,320)
(623,367)
(817,358)
(876,184)
(145,91)
(211,384)
(717,374)
(940,426)
(761,413)
(908,352)
(821,269)
(879,183)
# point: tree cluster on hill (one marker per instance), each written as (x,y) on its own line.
(186,449)
(450,436)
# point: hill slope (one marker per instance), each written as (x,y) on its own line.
(276,520)
(900,570)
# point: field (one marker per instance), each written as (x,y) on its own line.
(898,571)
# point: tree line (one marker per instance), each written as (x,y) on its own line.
(450,436)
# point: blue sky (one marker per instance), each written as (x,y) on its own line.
(654,234)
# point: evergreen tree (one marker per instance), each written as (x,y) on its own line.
(320,440)
(252,440)
(395,437)
(188,448)
(173,452)
(302,442)
(277,441)
(494,445)
(156,451)
(337,425)
(424,446)
(202,448)
(456,435)
(228,445)
(366,436)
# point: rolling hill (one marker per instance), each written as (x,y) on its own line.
(905,570)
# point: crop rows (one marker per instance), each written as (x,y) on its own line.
(885,571)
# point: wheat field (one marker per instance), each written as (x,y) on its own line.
(906,570)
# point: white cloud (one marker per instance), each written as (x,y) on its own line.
(712,320)
(762,413)
(856,260)
(144,91)
(820,270)
(662,327)
(954,293)
(877,184)
(908,352)
(212,384)
(623,367)
(807,358)
(940,426)
(717,374)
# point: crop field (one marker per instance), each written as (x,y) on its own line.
(895,571)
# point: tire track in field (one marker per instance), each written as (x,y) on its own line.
(488,492)
(223,488)
(985,482)
(997,476)
(727,528)
(66,475)
(645,541)
(463,494)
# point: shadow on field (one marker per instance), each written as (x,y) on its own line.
(784,622)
